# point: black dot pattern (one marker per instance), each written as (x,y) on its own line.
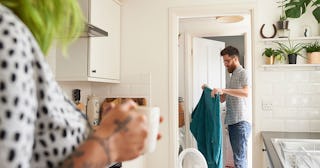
(38,125)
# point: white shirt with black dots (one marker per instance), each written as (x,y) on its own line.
(39,126)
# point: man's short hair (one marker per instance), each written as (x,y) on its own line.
(231,51)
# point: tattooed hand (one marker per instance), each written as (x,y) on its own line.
(120,136)
(123,131)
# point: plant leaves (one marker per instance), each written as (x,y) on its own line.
(316,3)
(293,12)
(316,14)
(296,8)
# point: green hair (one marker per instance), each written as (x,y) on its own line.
(49,20)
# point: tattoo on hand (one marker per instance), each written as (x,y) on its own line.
(69,161)
(105,146)
(104,142)
(122,125)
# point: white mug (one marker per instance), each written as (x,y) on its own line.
(153,119)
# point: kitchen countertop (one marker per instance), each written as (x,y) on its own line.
(268,135)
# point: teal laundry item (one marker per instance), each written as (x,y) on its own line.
(207,129)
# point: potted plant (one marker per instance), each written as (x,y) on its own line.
(269,54)
(278,57)
(290,50)
(296,8)
(283,23)
(313,52)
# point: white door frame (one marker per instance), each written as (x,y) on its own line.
(192,12)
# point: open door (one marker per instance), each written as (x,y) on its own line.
(200,63)
(207,66)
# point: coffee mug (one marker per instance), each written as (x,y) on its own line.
(153,119)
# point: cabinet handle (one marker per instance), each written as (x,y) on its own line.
(263,150)
(93,71)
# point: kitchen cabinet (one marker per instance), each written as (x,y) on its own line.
(94,58)
(266,159)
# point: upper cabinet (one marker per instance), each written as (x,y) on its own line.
(94,57)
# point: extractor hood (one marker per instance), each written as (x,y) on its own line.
(93,31)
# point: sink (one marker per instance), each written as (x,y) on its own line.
(298,153)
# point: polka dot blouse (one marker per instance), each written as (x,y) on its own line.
(39,126)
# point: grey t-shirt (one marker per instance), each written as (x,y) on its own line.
(237,108)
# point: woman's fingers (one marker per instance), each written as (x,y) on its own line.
(160,135)
(128,105)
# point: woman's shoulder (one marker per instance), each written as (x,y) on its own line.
(15,36)
(7,17)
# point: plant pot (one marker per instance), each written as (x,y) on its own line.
(313,58)
(282,24)
(292,58)
(269,60)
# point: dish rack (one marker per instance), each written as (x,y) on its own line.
(300,154)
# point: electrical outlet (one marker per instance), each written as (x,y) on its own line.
(266,106)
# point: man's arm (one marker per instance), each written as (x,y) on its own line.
(243,92)
(222,98)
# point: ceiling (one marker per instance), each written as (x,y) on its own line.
(211,26)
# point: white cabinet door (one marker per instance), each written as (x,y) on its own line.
(95,58)
(104,52)
(266,159)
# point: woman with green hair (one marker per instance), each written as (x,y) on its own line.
(39,126)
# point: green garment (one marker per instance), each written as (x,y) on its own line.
(207,129)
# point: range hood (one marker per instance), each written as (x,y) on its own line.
(93,31)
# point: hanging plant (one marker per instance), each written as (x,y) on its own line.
(296,8)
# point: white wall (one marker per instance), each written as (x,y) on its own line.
(293,94)
(131,86)
(144,49)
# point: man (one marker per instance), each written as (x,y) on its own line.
(238,115)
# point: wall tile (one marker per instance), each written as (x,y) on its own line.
(297,125)
(297,76)
(315,100)
(141,78)
(290,88)
(315,126)
(308,114)
(272,125)
(279,89)
(304,101)
(309,88)
(101,89)
(270,77)
(266,89)
(132,85)
(292,101)
(283,113)
(140,90)
(120,90)
(315,76)
(266,114)
(316,88)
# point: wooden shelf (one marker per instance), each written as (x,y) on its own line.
(292,39)
(291,67)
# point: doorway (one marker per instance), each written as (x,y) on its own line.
(176,15)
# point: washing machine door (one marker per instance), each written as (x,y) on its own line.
(192,158)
